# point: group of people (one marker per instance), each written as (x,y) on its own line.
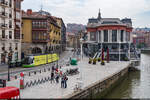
(56,75)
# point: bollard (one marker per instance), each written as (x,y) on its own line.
(40,71)
(16,77)
(29,74)
(4,83)
(48,69)
(44,70)
(35,73)
(22,80)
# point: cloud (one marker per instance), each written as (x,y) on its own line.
(78,11)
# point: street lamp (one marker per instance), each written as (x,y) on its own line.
(81,44)
(119,51)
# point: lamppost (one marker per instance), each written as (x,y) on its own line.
(81,45)
(129,51)
(119,51)
(9,60)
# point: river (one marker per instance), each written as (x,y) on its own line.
(136,84)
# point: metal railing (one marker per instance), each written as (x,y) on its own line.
(37,82)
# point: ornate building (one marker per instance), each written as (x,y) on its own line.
(111,33)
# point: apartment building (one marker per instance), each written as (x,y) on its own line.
(10,17)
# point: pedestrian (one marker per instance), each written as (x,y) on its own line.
(53,68)
(62,81)
(57,78)
(52,76)
(65,81)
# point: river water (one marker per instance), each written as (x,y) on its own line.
(136,84)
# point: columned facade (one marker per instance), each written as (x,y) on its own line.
(111,33)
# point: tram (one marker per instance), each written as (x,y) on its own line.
(36,60)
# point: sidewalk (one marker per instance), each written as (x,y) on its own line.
(89,73)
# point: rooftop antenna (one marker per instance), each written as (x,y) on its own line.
(41,5)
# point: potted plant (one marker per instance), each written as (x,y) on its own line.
(94,61)
(99,59)
(102,62)
(90,60)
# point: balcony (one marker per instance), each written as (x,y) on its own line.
(3,48)
(4,3)
(3,14)
(10,48)
(16,48)
(10,26)
(3,26)
(39,40)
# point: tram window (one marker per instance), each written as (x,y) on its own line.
(26,60)
(30,60)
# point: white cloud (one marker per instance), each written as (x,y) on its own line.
(78,11)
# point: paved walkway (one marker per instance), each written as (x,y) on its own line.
(89,73)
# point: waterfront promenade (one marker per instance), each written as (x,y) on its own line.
(90,74)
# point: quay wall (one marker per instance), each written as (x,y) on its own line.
(101,88)
(145,51)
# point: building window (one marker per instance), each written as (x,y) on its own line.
(17,35)
(92,36)
(105,35)
(10,34)
(122,31)
(16,46)
(18,16)
(10,3)
(3,33)
(114,35)
(22,36)
(18,5)
(10,47)
(10,24)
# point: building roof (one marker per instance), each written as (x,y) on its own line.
(95,22)
(39,15)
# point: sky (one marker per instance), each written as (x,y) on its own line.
(79,11)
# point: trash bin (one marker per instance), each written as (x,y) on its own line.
(74,61)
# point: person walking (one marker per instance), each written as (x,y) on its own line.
(57,76)
(62,81)
(53,68)
(65,81)
(52,76)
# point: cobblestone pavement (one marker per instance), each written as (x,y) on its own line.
(88,75)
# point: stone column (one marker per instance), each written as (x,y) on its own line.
(102,35)
(98,36)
